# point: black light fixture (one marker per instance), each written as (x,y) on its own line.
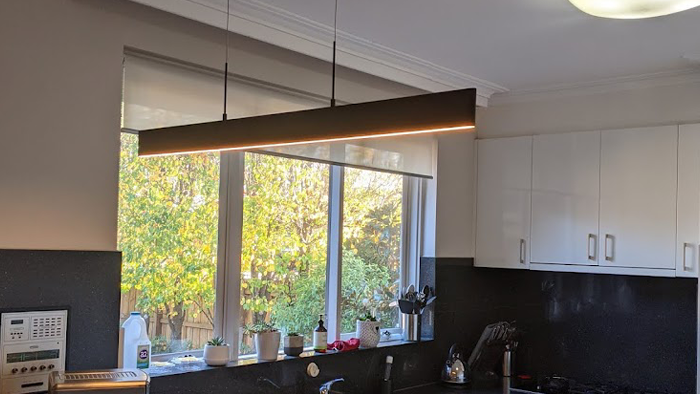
(422,114)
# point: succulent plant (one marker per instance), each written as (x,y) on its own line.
(259,328)
(293,334)
(367,317)
(217,341)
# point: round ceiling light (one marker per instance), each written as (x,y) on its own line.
(633,9)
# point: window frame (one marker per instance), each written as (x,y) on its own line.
(230,228)
(230,242)
(231,212)
(409,250)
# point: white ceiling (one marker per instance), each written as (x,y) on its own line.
(517,44)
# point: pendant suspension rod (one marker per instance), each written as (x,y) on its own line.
(335,38)
(228,13)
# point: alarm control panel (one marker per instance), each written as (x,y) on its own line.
(32,344)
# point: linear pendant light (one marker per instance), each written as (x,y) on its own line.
(423,114)
(428,113)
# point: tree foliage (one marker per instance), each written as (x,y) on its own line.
(285,221)
(168,216)
(168,219)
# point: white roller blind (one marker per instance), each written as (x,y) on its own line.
(160,94)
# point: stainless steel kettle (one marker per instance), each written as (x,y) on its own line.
(455,370)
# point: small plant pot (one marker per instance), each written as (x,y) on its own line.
(267,345)
(367,332)
(216,355)
(294,345)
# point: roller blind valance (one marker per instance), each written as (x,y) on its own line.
(160,93)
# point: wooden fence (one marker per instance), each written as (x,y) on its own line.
(197,329)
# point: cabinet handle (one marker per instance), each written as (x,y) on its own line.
(522,251)
(592,237)
(685,249)
(609,256)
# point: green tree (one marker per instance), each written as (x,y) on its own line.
(371,246)
(284,241)
(168,218)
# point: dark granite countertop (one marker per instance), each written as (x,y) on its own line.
(441,388)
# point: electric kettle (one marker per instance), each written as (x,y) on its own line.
(455,369)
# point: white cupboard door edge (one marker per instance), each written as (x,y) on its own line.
(565,198)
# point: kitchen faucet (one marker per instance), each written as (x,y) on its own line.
(326,387)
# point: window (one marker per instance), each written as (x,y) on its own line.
(168,226)
(283,260)
(214,244)
(371,258)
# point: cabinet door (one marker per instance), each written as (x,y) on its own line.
(688,241)
(504,174)
(638,197)
(565,198)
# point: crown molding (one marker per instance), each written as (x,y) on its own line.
(608,85)
(273,25)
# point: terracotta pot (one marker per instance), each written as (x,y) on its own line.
(367,332)
(267,345)
(216,355)
(294,345)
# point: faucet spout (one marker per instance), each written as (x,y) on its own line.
(326,387)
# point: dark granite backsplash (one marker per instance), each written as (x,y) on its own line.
(633,331)
(85,282)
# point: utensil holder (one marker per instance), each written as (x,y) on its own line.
(411,323)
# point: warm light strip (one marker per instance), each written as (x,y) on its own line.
(364,137)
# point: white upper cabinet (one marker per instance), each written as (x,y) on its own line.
(504,175)
(565,198)
(638,198)
(688,242)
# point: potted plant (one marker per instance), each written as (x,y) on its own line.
(367,330)
(267,340)
(293,344)
(216,352)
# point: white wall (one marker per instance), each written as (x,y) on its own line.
(60,95)
(650,106)
(60,79)
(455,197)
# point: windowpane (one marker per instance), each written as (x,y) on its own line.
(371,267)
(283,262)
(168,219)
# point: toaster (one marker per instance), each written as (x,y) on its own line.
(111,381)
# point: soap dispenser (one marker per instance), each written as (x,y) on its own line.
(320,337)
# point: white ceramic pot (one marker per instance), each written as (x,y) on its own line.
(267,345)
(367,332)
(216,355)
(293,346)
